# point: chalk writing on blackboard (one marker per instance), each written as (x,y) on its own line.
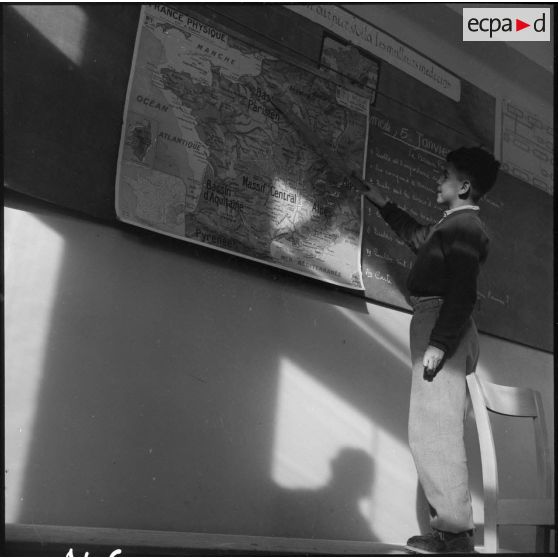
(406,164)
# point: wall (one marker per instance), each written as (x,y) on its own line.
(152,384)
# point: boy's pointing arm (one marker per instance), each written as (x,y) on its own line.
(411,231)
(374,195)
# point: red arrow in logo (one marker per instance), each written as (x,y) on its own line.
(519,25)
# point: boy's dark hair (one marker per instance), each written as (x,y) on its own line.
(478,166)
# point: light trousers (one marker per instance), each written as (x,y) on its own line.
(436,420)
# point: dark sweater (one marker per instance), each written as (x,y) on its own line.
(449,255)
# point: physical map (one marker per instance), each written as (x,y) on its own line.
(206,155)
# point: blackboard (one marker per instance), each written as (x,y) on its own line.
(412,128)
(516,300)
(515,285)
(63,122)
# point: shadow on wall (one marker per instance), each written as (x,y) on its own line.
(331,511)
(158,399)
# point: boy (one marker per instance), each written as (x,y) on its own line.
(444,340)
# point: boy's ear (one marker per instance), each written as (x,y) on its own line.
(465,189)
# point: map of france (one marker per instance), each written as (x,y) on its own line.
(206,156)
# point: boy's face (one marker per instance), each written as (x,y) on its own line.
(450,186)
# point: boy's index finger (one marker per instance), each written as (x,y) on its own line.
(362,185)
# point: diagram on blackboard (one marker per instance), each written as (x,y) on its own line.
(527,146)
(205,155)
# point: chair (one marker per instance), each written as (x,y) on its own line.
(518,402)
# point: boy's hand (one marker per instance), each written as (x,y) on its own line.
(372,192)
(375,196)
(431,361)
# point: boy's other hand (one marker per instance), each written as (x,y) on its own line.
(372,193)
(431,361)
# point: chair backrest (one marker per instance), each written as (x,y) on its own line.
(518,402)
